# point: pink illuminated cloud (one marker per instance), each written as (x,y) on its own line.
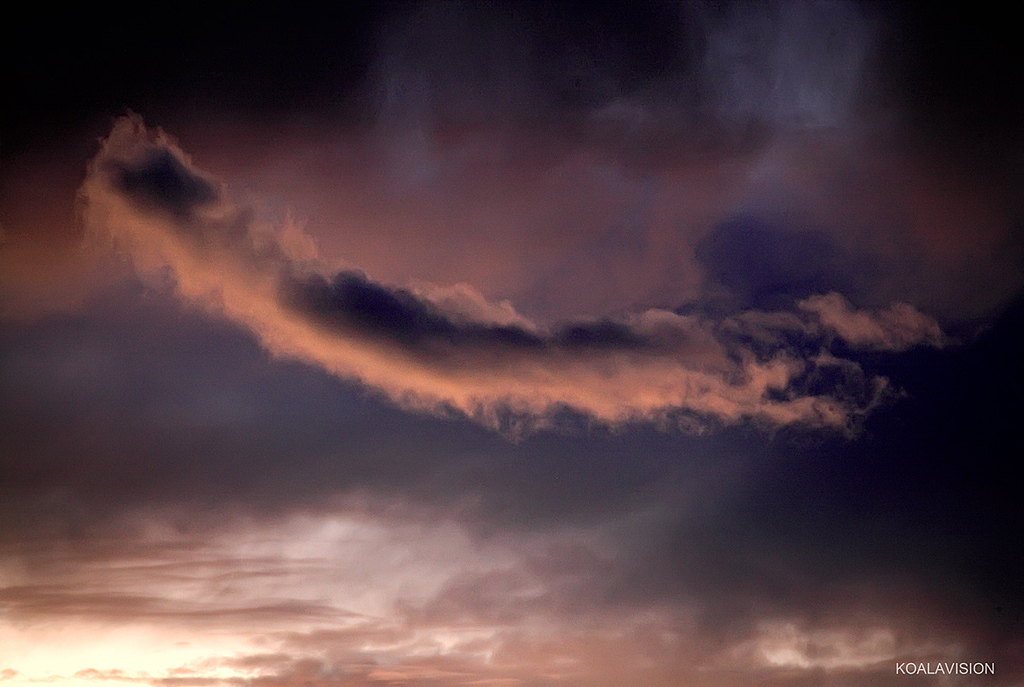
(445,349)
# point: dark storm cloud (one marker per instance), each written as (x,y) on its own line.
(164,183)
(350,301)
(766,267)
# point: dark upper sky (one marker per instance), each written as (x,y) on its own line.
(511,343)
(954,68)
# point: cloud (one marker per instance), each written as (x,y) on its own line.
(897,328)
(701,576)
(653,366)
(432,602)
(780,268)
(440,604)
(764,267)
(786,64)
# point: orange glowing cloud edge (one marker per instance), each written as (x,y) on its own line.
(220,255)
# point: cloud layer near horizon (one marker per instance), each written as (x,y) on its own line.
(447,349)
(377,593)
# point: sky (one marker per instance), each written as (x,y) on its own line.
(512,344)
